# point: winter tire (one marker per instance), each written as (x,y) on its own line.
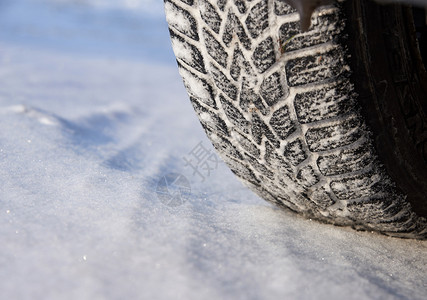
(307,120)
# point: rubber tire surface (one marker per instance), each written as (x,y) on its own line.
(281,109)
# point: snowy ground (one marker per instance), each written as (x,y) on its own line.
(93,118)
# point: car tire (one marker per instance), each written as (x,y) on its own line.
(310,120)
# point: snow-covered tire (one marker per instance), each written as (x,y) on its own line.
(282,110)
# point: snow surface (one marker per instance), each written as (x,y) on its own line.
(93,114)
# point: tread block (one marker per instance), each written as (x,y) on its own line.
(321,197)
(271,89)
(282,8)
(371,209)
(334,136)
(233,26)
(209,120)
(209,15)
(234,115)
(181,20)
(360,186)
(250,101)
(262,169)
(304,204)
(187,52)
(215,49)
(307,177)
(384,213)
(223,83)
(197,87)
(264,56)
(326,28)
(221,4)
(243,171)
(345,161)
(276,162)
(288,33)
(257,20)
(239,62)
(328,102)
(260,129)
(274,190)
(241,6)
(294,152)
(315,68)
(282,123)
(246,144)
(223,145)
